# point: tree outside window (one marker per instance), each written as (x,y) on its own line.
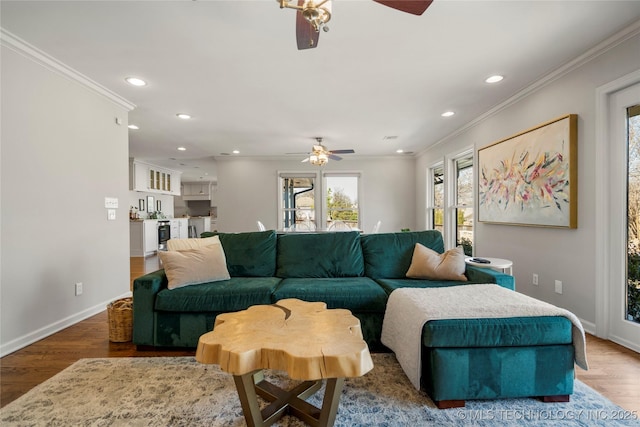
(633,216)
(342,201)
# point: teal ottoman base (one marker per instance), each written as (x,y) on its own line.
(499,367)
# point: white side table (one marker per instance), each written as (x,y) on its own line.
(495,263)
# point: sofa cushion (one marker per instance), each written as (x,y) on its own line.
(358,294)
(185,244)
(498,332)
(250,254)
(390,285)
(388,255)
(235,294)
(429,264)
(319,255)
(194,266)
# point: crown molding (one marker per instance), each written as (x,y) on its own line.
(602,47)
(27,50)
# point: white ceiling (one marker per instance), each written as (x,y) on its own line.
(234,66)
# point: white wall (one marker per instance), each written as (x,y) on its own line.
(248,191)
(554,254)
(62,154)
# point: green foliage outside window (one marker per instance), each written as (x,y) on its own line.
(341,207)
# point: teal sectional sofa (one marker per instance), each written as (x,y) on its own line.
(344,270)
(461,359)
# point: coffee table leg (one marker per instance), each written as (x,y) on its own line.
(293,399)
(248,399)
(331,401)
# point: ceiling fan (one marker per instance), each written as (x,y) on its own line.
(313,15)
(319,155)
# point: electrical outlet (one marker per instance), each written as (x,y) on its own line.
(78,289)
(534,280)
(558,287)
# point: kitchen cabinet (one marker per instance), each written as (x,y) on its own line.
(153,179)
(143,237)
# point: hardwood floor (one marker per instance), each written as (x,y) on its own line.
(614,370)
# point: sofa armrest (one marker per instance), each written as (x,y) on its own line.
(488,275)
(145,289)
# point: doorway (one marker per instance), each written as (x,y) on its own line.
(618,309)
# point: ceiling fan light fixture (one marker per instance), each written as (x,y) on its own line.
(318,159)
(317,14)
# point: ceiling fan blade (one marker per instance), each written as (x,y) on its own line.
(334,157)
(349,151)
(415,7)
(306,36)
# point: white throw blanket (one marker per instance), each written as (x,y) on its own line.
(408,309)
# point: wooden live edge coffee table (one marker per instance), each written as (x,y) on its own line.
(305,339)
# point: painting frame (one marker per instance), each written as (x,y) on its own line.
(531,178)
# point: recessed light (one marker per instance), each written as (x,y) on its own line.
(134,127)
(135,81)
(183,116)
(447,114)
(494,79)
(236,152)
(182,149)
(400,151)
(387,137)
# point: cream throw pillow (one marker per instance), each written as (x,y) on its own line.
(184,244)
(195,266)
(429,264)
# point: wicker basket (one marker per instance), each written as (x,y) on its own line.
(120,313)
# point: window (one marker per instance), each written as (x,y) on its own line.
(435,205)
(298,196)
(463,208)
(450,200)
(632,294)
(341,200)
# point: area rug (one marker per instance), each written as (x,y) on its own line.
(178,391)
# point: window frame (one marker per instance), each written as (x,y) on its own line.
(454,207)
(347,174)
(431,206)
(292,174)
(450,206)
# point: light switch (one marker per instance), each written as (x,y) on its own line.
(111,202)
(111,214)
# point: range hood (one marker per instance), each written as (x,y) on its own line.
(196,191)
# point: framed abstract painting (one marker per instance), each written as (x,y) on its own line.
(531,178)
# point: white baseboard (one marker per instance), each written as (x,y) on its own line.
(588,327)
(625,343)
(30,338)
